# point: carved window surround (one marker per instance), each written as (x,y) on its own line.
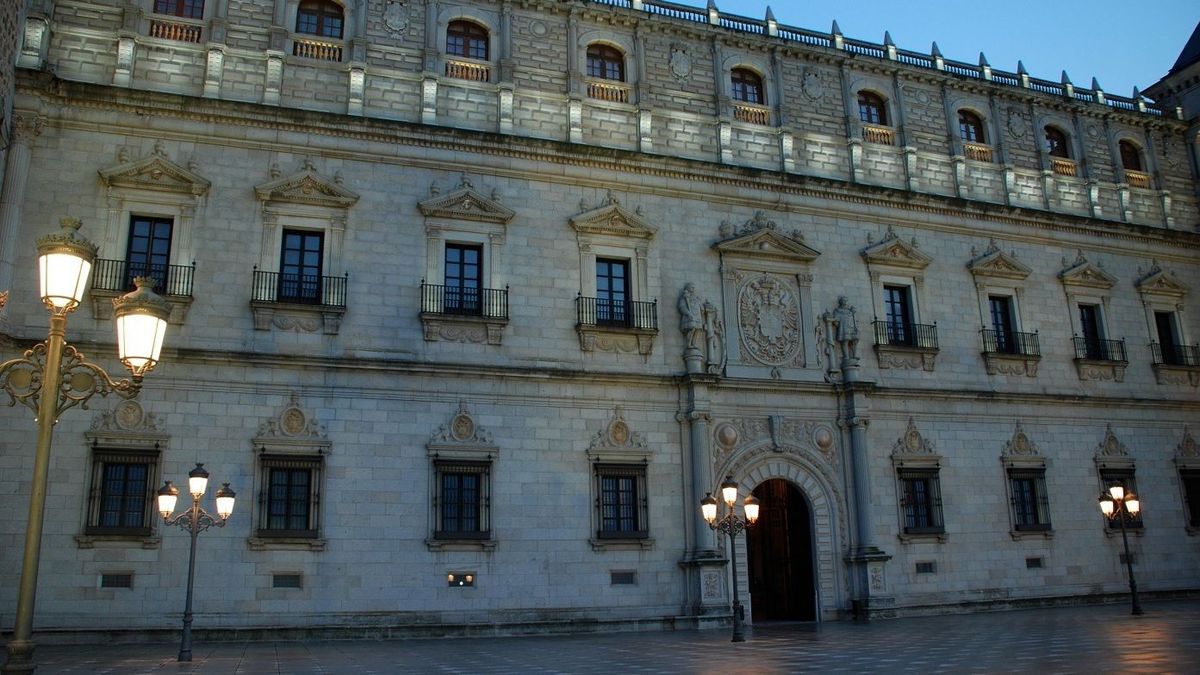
(128,427)
(767,284)
(612,231)
(305,200)
(468,217)
(460,439)
(895,262)
(1021,454)
(157,187)
(913,452)
(295,433)
(997,273)
(1161,291)
(617,444)
(1086,282)
(1187,459)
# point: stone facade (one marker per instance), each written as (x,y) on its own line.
(375,388)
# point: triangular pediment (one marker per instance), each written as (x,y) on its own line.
(466,204)
(892,251)
(768,243)
(998,264)
(613,219)
(1161,282)
(306,187)
(1085,273)
(155,172)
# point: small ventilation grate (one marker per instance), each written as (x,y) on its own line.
(623,577)
(927,567)
(287,581)
(1033,563)
(116,581)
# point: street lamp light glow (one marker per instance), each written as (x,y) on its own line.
(708,507)
(225,498)
(141,326)
(1119,504)
(168,495)
(751,508)
(1117,492)
(198,481)
(64,263)
(731,524)
(729,490)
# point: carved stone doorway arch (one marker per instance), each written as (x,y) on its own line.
(825,513)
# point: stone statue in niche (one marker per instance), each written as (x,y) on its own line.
(714,334)
(691,319)
(843,324)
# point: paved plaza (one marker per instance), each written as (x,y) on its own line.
(1101,638)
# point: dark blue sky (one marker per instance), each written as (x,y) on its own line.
(1121,43)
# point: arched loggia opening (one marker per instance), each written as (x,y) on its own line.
(780,555)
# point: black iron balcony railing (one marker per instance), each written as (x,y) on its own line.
(617,313)
(900,334)
(1095,349)
(1010,342)
(299,289)
(118,276)
(489,303)
(1175,355)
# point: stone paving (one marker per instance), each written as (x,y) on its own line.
(1102,638)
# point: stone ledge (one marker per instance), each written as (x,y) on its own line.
(998,363)
(906,358)
(1166,374)
(471,329)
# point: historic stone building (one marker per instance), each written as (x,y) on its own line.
(474,301)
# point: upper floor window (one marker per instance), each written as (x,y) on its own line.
(605,62)
(467,39)
(1056,143)
(747,86)
(320,17)
(188,9)
(970,127)
(1131,156)
(871,108)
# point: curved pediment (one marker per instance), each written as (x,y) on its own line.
(613,219)
(155,172)
(892,251)
(1085,273)
(466,204)
(306,187)
(998,264)
(768,243)
(1158,281)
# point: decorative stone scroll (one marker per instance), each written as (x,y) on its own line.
(913,445)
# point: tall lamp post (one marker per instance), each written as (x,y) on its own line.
(1120,504)
(730,523)
(195,520)
(53,376)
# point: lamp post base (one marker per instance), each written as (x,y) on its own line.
(739,625)
(20,658)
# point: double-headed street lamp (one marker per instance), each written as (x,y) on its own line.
(53,376)
(731,524)
(1120,504)
(195,520)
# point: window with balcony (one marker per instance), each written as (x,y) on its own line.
(1133,163)
(973,136)
(1058,148)
(177,20)
(188,9)
(1092,343)
(300,262)
(467,51)
(147,254)
(749,95)
(611,309)
(999,283)
(902,340)
(1088,288)
(606,73)
(872,112)
(464,274)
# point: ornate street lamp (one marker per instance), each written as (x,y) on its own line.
(730,523)
(1117,503)
(195,520)
(68,379)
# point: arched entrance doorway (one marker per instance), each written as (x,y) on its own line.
(780,555)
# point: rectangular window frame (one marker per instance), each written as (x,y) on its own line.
(1029,500)
(608,527)
(1189,487)
(482,502)
(932,523)
(102,458)
(268,464)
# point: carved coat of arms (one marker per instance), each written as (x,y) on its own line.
(395,16)
(769,320)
